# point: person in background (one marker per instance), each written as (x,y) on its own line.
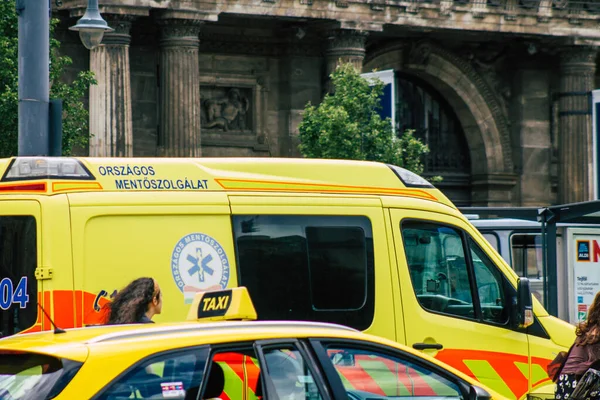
(137,302)
(584,353)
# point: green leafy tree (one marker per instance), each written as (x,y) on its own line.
(346,125)
(75,116)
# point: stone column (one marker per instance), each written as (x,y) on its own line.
(344,46)
(179,127)
(111,132)
(575,166)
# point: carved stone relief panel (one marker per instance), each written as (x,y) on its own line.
(233,110)
(227,109)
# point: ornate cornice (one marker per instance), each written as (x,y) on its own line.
(266,46)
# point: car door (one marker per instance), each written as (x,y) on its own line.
(457,300)
(270,369)
(360,370)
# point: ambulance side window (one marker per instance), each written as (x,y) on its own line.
(312,268)
(438,270)
(489,286)
(452,275)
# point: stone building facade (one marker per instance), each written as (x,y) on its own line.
(499,89)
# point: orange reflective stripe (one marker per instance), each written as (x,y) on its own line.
(78,308)
(504,364)
(252,377)
(242,375)
(91,316)
(69,309)
(46,325)
(64,311)
(360,379)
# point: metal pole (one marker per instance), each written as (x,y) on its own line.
(55,134)
(34,76)
(552,269)
(545,258)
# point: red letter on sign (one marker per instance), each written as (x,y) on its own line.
(596,250)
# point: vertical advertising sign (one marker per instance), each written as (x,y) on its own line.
(388,98)
(586,274)
(596,139)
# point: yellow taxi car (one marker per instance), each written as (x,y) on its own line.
(209,358)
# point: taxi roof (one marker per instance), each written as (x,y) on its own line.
(55,175)
(77,343)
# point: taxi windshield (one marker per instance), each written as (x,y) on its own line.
(22,374)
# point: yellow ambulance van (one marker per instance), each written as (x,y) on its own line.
(362,244)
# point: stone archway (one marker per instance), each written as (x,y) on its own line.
(483,121)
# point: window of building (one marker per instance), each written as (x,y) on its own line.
(312,268)
(421,108)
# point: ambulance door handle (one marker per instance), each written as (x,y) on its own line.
(427,346)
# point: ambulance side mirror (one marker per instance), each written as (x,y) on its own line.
(524,315)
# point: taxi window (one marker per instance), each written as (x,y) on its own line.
(290,374)
(174,375)
(233,374)
(24,373)
(311,268)
(367,373)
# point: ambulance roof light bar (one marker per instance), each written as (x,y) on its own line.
(30,168)
(410,179)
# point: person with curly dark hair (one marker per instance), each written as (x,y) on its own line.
(584,354)
(137,302)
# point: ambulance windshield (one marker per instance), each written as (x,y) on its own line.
(18,286)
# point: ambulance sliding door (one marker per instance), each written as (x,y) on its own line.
(313,258)
(182,240)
